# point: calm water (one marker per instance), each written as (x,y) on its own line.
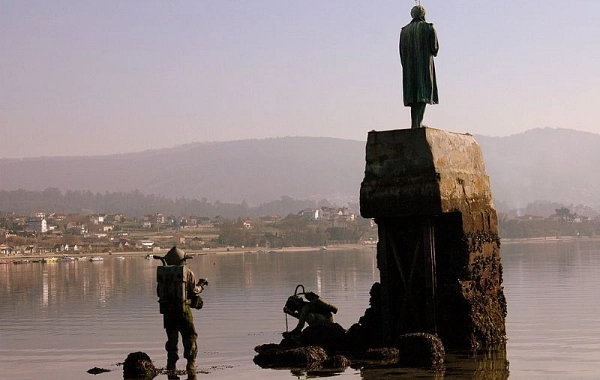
(59,320)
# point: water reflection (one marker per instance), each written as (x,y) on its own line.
(491,365)
(488,366)
(65,318)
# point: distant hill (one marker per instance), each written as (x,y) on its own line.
(541,164)
(559,165)
(256,171)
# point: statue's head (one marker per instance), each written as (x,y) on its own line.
(175,256)
(418,12)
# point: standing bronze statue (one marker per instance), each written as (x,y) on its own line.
(418,46)
(178,292)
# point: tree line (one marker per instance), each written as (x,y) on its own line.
(136,204)
(562,223)
(294,231)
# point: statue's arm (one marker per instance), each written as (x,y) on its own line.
(400,48)
(435,47)
(191,283)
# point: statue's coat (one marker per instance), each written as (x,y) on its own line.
(418,46)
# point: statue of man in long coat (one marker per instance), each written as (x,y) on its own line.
(418,46)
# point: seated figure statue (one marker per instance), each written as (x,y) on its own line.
(312,311)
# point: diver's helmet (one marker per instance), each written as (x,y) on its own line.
(175,256)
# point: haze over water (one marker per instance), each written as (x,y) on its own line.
(59,320)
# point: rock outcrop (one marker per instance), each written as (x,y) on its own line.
(138,365)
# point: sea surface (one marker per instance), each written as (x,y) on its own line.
(58,320)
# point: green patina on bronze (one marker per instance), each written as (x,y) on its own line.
(178,293)
(418,46)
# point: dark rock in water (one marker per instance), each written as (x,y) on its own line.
(274,355)
(385,354)
(96,370)
(138,365)
(336,362)
(330,336)
(263,348)
(318,348)
(420,349)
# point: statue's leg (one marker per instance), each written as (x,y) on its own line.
(417,110)
(189,337)
(171,324)
(171,347)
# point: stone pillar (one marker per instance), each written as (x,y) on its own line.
(438,251)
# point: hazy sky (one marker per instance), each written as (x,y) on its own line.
(104,76)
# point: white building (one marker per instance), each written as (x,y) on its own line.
(37,224)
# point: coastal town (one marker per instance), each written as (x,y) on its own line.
(46,234)
(42,234)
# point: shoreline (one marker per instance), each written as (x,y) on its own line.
(550,239)
(190,252)
(225,250)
